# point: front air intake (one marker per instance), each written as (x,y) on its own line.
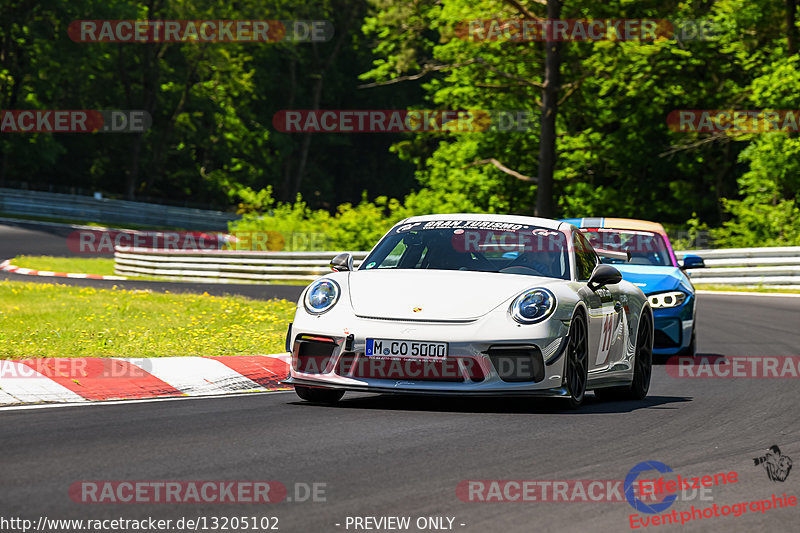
(312,354)
(518,364)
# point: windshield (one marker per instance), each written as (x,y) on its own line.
(470,245)
(646,247)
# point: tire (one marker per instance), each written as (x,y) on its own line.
(312,394)
(642,367)
(576,362)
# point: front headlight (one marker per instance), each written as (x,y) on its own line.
(321,296)
(667,299)
(533,306)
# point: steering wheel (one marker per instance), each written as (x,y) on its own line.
(483,263)
(535,266)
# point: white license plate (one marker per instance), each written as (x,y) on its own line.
(398,348)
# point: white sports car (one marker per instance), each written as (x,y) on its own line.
(470,304)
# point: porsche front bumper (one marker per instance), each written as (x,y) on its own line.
(526,360)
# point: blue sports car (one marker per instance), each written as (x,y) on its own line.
(654,268)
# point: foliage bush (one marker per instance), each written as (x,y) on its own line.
(768,212)
(302,229)
(351,227)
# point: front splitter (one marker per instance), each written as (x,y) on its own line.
(560,392)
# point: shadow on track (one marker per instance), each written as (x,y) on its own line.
(664,360)
(592,405)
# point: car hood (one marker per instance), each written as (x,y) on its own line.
(434,294)
(651,278)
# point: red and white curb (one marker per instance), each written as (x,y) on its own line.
(89,379)
(8,267)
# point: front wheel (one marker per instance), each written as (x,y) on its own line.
(642,367)
(312,394)
(576,365)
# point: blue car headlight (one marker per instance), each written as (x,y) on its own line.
(666,299)
(321,296)
(533,306)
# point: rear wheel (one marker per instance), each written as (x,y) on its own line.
(311,394)
(576,365)
(642,367)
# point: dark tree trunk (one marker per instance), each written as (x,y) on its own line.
(13,60)
(547,138)
(132,178)
(285,192)
(151,53)
(316,96)
(791,27)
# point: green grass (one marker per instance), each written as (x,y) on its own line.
(44,320)
(738,288)
(80,265)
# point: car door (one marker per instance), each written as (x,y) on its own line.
(617,324)
(603,317)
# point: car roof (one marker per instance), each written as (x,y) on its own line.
(511,219)
(617,223)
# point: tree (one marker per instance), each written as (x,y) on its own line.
(547,139)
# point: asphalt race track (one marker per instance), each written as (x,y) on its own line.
(22,238)
(397,456)
(37,239)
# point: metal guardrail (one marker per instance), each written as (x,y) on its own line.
(108,211)
(225,266)
(768,267)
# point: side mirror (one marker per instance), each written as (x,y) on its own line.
(342,263)
(692,261)
(604,275)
